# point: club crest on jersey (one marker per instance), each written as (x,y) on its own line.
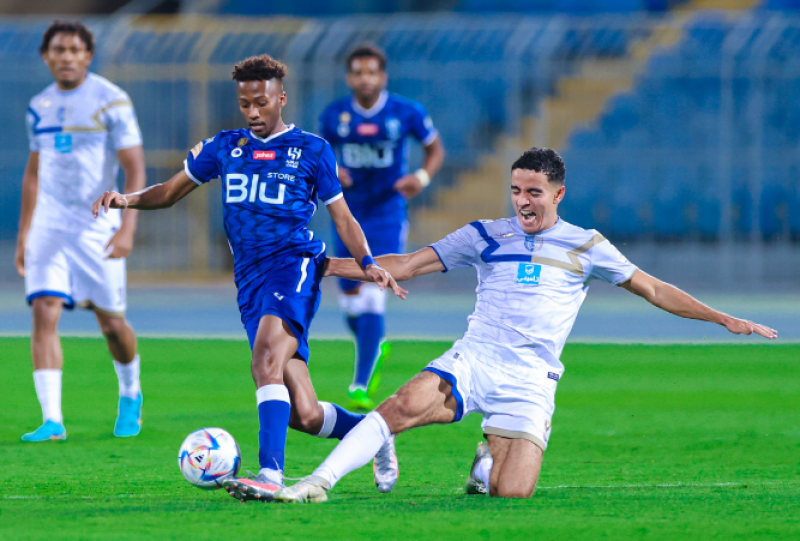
(367,129)
(393,128)
(344,124)
(264,155)
(529,273)
(533,243)
(294,154)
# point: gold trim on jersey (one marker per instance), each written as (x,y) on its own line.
(575,265)
(99,126)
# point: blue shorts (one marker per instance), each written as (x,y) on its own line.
(288,290)
(383,236)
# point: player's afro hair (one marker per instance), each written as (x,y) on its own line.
(543,160)
(67,27)
(259,68)
(367,50)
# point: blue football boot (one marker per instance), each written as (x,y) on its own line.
(50,430)
(129,417)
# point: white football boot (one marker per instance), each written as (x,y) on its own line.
(385,467)
(311,489)
(473,484)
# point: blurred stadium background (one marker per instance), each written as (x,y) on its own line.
(679,123)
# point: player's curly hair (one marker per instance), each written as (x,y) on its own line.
(68,27)
(367,50)
(259,68)
(543,160)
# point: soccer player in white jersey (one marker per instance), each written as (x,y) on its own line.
(81,129)
(534,271)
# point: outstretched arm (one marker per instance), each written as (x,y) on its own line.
(352,235)
(675,301)
(401,266)
(155,197)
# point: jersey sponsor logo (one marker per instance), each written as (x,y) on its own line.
(533,243)
(379,156)
(264,155)
(294,154)
(367,129)
(240,188)
(529,273)
(63,143)
(553,376)
(196,149)
(281,176)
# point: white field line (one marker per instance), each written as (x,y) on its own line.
(666,485)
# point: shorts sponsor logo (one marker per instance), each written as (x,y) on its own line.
(367,130)
(529,273)
(553,376)
(456,355)
(264,155)
(278,296)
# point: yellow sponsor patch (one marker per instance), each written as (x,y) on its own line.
(344,118)
(242,142)
(196,150)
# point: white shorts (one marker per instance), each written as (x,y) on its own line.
(74,266)
(515,401)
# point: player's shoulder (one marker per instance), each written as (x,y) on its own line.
(492,228)
(43,98)
(308,140)
(104,90)
(396,101)
(577,235)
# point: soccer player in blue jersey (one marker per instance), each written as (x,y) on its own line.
(370,131)
(272,175)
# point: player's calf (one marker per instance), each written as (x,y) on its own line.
(516,468)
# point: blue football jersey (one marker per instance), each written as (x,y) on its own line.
(373,145)
(269,192)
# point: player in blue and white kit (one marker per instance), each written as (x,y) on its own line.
(81,128)
(272,175)
(534,271)
(370,131)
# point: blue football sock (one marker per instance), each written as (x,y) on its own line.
(273,419)
(337,421)
(368,340)
(352,322)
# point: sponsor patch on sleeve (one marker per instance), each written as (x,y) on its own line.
(196,149)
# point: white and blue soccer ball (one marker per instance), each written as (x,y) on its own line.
(209,456)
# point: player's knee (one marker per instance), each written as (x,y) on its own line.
(46,311)
(112,327)
(308,420)
(501,491)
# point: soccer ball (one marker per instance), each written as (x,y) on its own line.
(209,456)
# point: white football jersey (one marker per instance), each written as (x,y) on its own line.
(530,287)
(77,134)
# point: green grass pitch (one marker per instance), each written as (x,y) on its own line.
(648,442)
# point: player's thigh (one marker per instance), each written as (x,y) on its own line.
(425,399)
(273,346)
(306,413)
(516,468)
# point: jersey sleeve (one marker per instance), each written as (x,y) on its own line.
(327,176)
(608,263)
(30,123)
(123,127)
(201,164)
(422,126)
(458,249)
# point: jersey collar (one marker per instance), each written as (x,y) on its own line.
(289,128)
(518,228)
(375,109)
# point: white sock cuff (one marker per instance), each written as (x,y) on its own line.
(274,391)
(328,419)
(377,420)
(46,372)
(134,363)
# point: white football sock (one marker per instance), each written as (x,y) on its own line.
(128,375)
(273,476)
(328,420)
(48,390)
(483,470)
(356,449)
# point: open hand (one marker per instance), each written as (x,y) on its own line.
(383,279)
(19,259)
(743,326)
(109,200)
(120,245)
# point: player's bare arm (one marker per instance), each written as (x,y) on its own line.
(401,266)
(132,161)
(412,185)
(30,190)
(353,237)
(159,196)
(673,300)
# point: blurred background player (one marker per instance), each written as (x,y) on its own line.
(370,131)
(272,175)
(81,128)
